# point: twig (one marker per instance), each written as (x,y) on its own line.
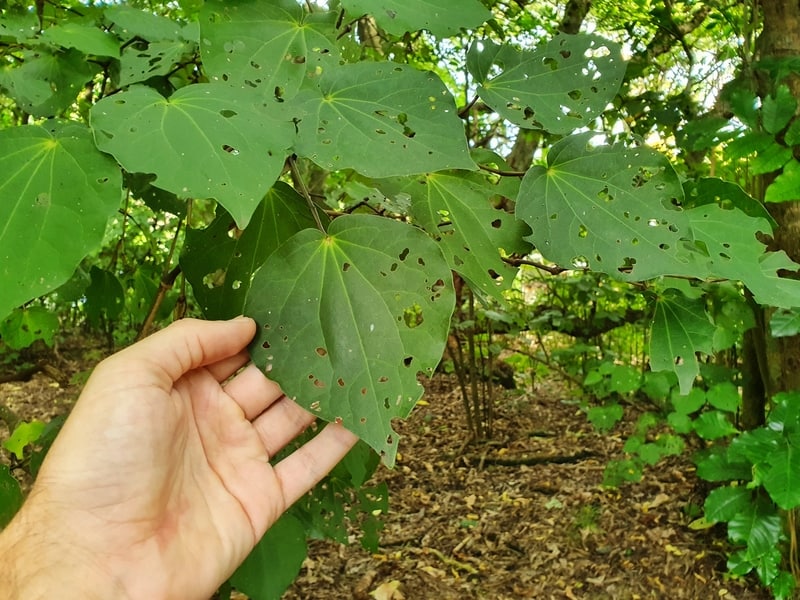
(503,173)
(300,183)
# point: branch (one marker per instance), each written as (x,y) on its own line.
(553,270)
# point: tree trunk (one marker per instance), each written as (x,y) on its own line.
(780,38)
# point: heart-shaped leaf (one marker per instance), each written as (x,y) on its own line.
(204,141)
(381,119)
(680,328)
(455,208)
(440,17)
(271,46)
(220,260)
(607,208)
(348,319)
(559,87)
(55,183)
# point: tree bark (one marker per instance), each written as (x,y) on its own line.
(780,38)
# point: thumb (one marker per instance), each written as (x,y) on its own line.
(192,343)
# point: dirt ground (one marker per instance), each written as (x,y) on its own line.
(474,521)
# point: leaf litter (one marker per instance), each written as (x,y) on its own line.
(525,515)
(521,516)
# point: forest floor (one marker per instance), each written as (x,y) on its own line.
(522,516)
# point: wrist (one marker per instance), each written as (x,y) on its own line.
(39,559)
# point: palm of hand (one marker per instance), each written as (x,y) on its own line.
(165,470)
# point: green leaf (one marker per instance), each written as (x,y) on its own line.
(724,396)
(713,425)
(274,562)
(18,23)
(440,17)
(105,297)
(270,46)
(715,464)
(27,325)
(785,323)
(680,329)
(688,403)
(455,208)
(605,417)
(724,503)
(560,86)
(204,141)
(348,319)
(220,260)
(45,84)
(727,245)
(786,186)
(782,480)
(756,445)
(139,63)
(785,413)
(58,193)
(777,109)
(726,194)
(608,208)
(770,159)
(382,120)
(128,22)
(481,57)
(24,434)
(10,496)
(83,36)
(680,422)
(759,526)
(625,379)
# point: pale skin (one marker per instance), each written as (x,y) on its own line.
(160,482)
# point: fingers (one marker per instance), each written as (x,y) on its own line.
(223,369)
(279,425)
(253,391)
(304,468)
(190,343)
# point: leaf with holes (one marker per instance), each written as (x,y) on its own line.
(455,208)
(608,208)
(57,184)
(680,329)
(728,246)
(559,87)
(441,17)
(381,119)
(220,260)
(270,46)
(204,141)
(348,319)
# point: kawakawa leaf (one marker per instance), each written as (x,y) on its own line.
(559,87)
(272,46)
(220,260)
(455,208)
(440,17)
(680,329)
(608,208)
(381,119)
(204,141)
(55,183)
(348,319)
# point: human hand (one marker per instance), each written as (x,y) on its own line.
(160,484)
